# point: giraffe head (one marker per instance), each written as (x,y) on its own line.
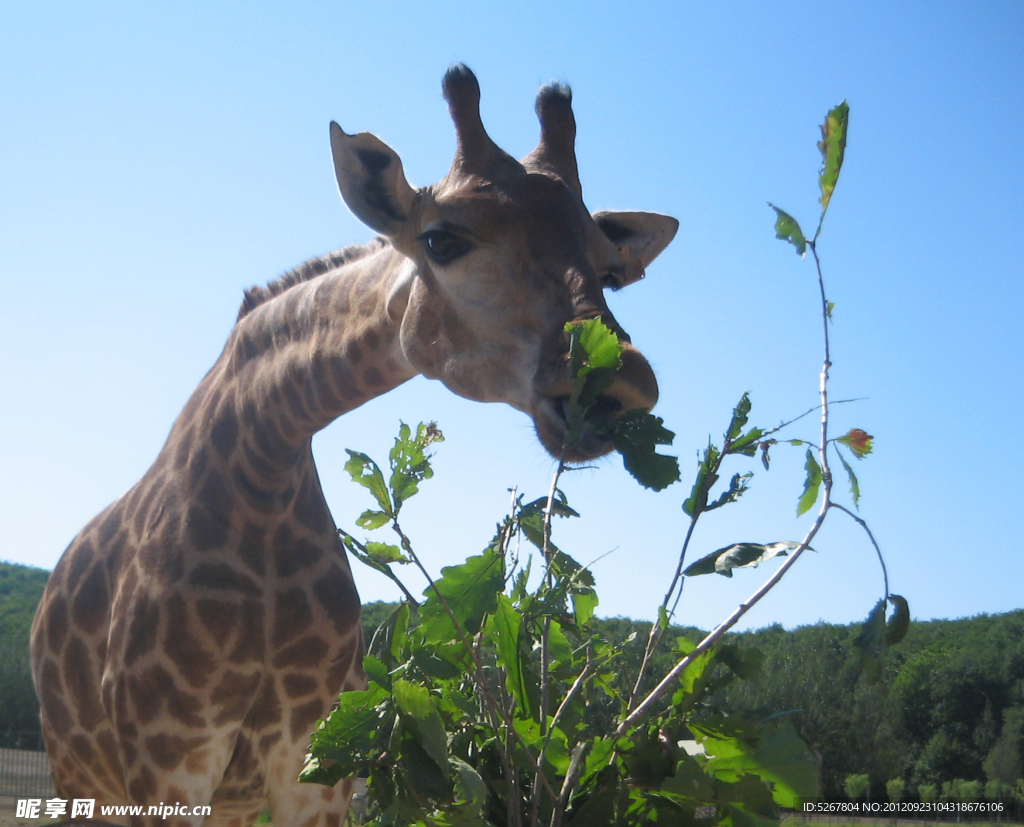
(501,255)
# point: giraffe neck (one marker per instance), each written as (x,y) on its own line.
(296,363)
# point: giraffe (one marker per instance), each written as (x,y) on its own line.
(195,631)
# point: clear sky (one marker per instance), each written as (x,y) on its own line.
(157,158)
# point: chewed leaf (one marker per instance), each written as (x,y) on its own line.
(410,464)
(698,499)
(635,435)
(787,229)
(739,555)
(871,642)
(385,553)
(897,626)
(833,147)
(858,441)
(811,484)
(372,519)
(737,487)
(367,473)
(739,417)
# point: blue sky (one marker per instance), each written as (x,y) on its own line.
(155,159)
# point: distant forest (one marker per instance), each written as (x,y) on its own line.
(948,710)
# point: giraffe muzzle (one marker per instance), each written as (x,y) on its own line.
(634,388)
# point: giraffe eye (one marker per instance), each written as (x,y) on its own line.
(444,247)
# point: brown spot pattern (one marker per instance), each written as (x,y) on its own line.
(301,555)
(337,595)
(143,788)
(56,623)
(292,616)
(250,550)
(221,576)
(148,690)
(304,653)
(89,609)
(251,645)
(304,717)
(219,618)
(194,663)
(295,686)
(81,684)
(142,628)
(168,751)
(266,709)
(235,694)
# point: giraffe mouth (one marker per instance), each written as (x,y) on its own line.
(552,423)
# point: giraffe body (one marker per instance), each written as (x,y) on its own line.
(194,631)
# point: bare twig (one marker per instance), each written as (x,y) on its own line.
(640,710)
(878,551)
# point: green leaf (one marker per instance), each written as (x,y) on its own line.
(583,605)
(698,499)
(410,464)
(399,628)
(854,485)
(898,625)
(783,760)
(317,771)
(829,306)
(871,642)
(372,519)
(376,671)
(739,417)
(418,712)
(694,678)
(635,435)
(739,555)
(505,629)
(559,648)
(594,356)
(737,486)
(385,553)
(350,729)
(366,472)
(601,344)
(470,590)
(786,229)
(832,146)
(811,484)
(746,444)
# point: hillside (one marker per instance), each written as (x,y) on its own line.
(20,590)
(950,705)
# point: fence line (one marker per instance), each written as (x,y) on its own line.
(24,768)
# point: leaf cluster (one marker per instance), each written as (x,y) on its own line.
(494,701)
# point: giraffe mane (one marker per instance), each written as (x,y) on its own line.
(311,269)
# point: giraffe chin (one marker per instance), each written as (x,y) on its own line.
(550,422)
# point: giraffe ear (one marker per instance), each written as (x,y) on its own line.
(639,236)
(371,180)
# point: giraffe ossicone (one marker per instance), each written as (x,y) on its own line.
(195,631)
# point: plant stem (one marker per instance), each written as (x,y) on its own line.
(493,707)
(641,709)
(878,551)
(545,656)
